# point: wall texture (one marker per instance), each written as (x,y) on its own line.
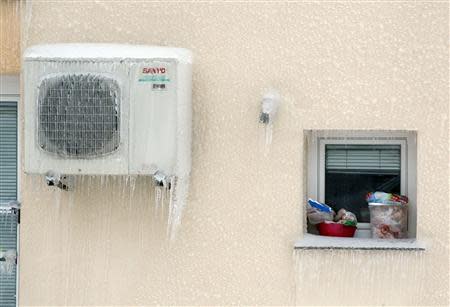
(9,37)
(338,65)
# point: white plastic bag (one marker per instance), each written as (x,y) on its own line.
(318,212)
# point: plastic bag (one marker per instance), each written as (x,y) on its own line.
(388,215)
(386,198)
(318,212)
(388,221)
(346,217)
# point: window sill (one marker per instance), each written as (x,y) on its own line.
(311,241)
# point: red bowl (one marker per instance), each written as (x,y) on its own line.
(336,230)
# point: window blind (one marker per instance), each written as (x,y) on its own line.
(8,151)
(359,159)
(8,192)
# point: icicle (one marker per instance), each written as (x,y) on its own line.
(158,197)
(268,134)
(170,204)
(179,199)
(133,180)
(124,183)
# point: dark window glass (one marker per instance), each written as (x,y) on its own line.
(351,171)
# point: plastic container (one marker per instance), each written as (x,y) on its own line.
(336,230)
(389,221)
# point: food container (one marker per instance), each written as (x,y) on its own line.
(389,221)
(336,230)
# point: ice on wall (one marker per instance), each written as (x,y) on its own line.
(165,203)
(383,277)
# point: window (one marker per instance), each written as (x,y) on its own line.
(343,166)
(9,212)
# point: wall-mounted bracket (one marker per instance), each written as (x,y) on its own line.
(269,107)
(64,182)
(161,180)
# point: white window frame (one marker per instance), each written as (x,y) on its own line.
(318,139)
(10,92)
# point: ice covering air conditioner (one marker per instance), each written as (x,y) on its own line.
(101,109)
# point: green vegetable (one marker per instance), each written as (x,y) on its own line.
(349,223)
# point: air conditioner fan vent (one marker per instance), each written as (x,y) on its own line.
(79,115)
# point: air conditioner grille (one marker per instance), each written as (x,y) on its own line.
(79,115)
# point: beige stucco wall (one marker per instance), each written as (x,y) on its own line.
(9,37)
(338,65)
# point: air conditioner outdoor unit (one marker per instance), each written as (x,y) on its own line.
(104,109)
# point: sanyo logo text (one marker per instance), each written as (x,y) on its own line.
(154,70)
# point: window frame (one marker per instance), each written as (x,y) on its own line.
(318,139)
(10,92)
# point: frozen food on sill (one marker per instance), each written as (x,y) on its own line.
(328,223)
(388,215)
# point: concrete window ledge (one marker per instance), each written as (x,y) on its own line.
(311,241)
